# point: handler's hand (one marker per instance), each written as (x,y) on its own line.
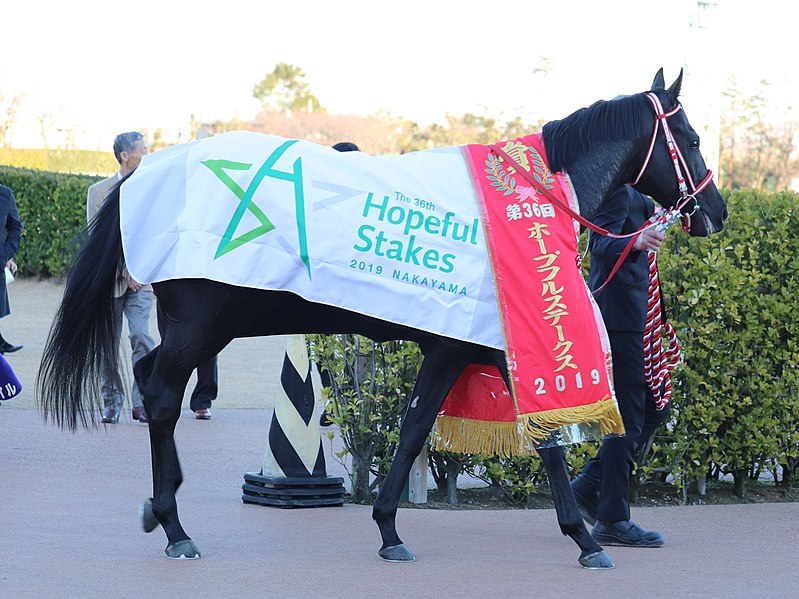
(133,284)
(649,240)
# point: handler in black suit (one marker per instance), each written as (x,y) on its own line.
(12,233)
(602,489)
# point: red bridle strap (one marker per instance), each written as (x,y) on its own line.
(663,218)
(661,118)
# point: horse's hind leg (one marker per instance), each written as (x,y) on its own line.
(440,370)
(166,379)
(569,517)
(142,371)
(192,330)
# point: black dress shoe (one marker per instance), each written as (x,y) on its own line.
(625,533)
(139,414)
(7,348)
(110,416)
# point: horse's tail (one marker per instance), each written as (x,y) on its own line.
(83,336)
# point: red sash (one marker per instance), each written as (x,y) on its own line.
(557,348)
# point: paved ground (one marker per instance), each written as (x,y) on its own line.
(70,526)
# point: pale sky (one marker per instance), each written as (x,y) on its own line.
(99,68)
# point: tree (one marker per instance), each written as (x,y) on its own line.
(285,89)
(544,68)
(466,129)
(9,106)
(755,150)
(46,122)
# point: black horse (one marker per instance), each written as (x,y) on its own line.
(601,147)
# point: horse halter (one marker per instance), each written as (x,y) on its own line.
(661,117)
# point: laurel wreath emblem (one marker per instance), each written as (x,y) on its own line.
(505,182)
(541,171)
(499,178)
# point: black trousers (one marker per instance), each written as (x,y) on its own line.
(207,387)
(608,474)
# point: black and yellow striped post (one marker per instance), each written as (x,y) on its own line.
(293,471)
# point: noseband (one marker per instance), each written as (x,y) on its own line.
(661,118)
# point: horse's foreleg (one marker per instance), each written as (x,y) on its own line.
(569,517)
(439,371)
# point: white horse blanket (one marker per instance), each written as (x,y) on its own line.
(397,238)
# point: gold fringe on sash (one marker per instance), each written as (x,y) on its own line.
(483,437)
(480,437)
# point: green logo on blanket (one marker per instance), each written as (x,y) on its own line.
(220,167)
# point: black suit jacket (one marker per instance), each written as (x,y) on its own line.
(12,232)
(623,301)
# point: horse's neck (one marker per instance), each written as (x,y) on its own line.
(596,174)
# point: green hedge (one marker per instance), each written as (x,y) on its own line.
(732,299)
(53,211)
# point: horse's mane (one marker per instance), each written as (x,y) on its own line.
(604,121)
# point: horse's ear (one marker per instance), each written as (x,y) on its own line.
(658,84)
(674,91)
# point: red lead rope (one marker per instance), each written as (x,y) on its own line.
(658,362)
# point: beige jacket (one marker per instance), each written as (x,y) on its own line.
(96,197)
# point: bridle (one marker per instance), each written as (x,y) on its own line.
(658,361)
(662,218)
(661,118)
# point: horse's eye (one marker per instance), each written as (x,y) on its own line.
(695,144)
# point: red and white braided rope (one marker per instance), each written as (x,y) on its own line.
(658,362)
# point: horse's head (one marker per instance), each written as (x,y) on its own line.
(674,172)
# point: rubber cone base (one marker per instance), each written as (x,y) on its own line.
(276,491)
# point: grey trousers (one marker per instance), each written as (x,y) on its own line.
(136,306)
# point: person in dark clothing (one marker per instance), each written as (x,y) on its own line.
(207,387)
(602,488)
(324,375)
(12,225)
(346,146)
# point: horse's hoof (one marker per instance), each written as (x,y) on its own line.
(599,560)
(148,520)
(185,549)
(397,553)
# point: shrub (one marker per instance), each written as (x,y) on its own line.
(732,300)
(52,207)
(371,384)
